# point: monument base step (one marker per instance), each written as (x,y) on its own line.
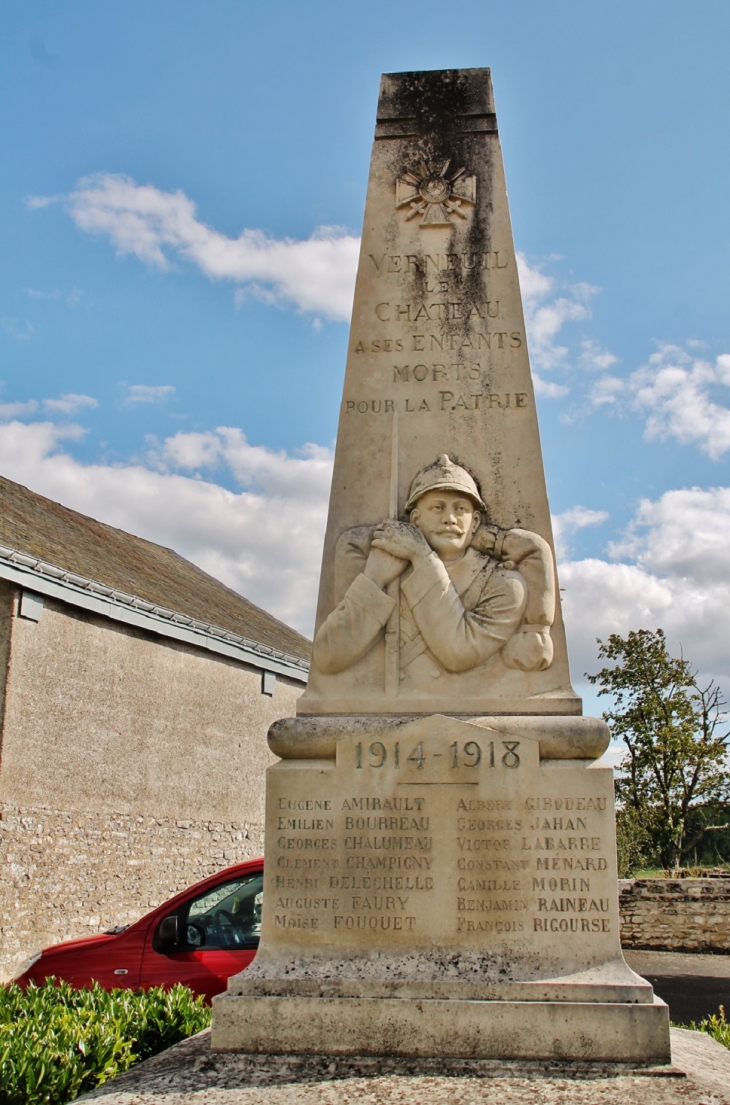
(582,1031)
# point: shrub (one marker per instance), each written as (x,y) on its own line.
(715,1025)
(57,1042)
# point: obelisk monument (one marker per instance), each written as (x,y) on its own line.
(440,846)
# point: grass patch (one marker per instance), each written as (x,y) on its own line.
(57,1042)
(715,1025)
(681,872)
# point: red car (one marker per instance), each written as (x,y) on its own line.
(200,938)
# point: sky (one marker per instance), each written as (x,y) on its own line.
(181,199)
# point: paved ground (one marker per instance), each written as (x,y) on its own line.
(190,1074)
(693,986)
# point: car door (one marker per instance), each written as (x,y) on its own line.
(216,936)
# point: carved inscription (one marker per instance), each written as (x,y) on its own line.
(433,305)
(445,400)
(441,343)
(391,835)
(439,839)
(425,263)
(456,310)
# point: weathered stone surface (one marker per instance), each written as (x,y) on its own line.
(67,873)
(675,914)
(560,738)
(191,1073)
(609,1032)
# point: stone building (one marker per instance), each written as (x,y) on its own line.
(135,696)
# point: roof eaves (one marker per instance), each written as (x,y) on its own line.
(36,574)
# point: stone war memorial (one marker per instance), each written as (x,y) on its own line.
(440,844)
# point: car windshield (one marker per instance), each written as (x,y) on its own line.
(228,916)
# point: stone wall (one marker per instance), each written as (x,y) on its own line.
(70,874)
(131,766)
(675,914)
(106,717)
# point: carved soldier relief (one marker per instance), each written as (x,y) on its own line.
(443,593)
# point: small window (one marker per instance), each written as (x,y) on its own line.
(227,917)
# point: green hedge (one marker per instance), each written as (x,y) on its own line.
(57,1042)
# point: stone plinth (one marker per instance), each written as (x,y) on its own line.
(429,889)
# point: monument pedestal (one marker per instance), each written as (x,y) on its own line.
(443,887)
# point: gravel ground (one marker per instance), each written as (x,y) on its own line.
(190,1074)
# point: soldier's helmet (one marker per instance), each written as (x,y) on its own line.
(444,475)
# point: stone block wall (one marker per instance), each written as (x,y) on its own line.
(67,874)
(675,914)
(131,767)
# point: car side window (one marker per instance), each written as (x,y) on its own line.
(227,917)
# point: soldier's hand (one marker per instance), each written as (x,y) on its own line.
(484,539)
(401,539)
(382,568)
(519,543)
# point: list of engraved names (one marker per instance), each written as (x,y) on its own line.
(437,824)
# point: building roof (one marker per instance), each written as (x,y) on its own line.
(56,537)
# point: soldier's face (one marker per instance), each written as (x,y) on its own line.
(448,521)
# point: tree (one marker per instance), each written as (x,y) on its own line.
(677,756)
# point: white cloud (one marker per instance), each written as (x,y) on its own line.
(674,573)
(264,541)
(73,298)
(315,275)
(594,359)
(21,331)
(17,410)
(607,391)
(69,403)
(548,307)
(679,395)
(37,202)
(685,534)
(35,293)
(63,404)
(548,388)
(570,521)
(147,393)
(305,478)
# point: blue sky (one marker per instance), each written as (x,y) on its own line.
(181,196)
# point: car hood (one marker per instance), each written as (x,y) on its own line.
(78,945)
